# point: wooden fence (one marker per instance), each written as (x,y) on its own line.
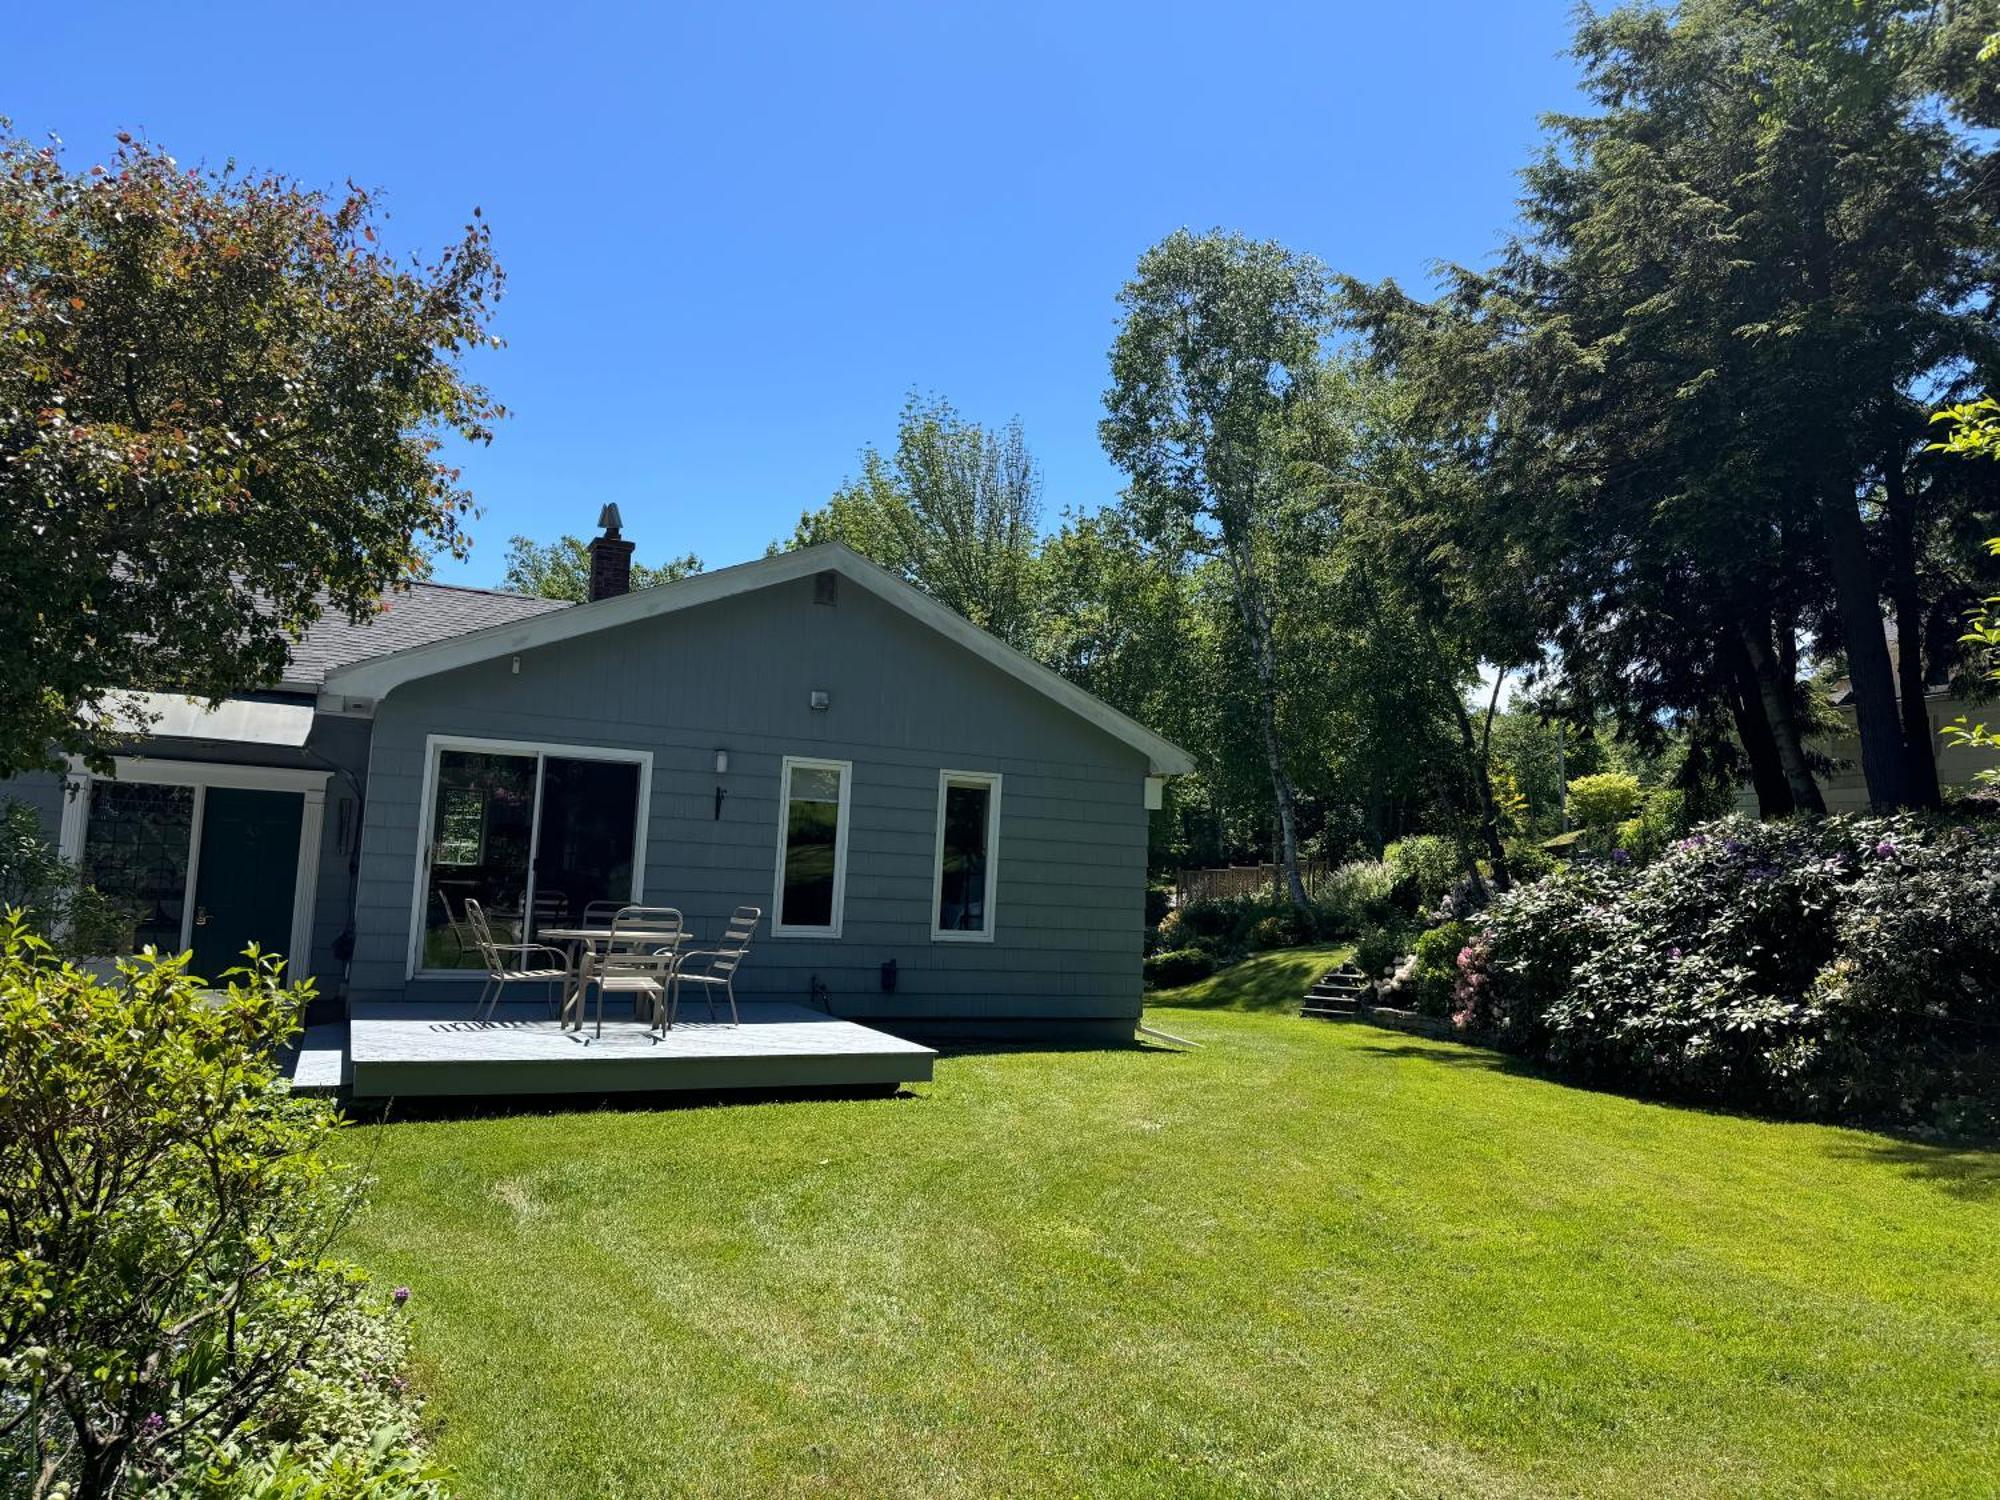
(1230,881)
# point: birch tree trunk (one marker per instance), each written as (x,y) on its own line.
(1774,692)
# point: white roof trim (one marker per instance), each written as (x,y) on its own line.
(378,676)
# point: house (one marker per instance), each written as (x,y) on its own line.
(944,836)
(1841,780)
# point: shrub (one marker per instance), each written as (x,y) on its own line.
(166,1205)
(1605,800)
(1529,862)
(45,887)
(1425,867)
(1436,974)
(1159,901)
(1286,927)
(1839,969)
(1661,819)
(1357,895)
(1378,950)
(1212,918)
(1178,966)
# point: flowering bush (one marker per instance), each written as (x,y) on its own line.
(1839,969)
(1437,966)
(1355,896)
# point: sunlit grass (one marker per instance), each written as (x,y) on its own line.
(1309,1259)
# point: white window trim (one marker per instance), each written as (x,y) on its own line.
(845,769)
(434,745)
(991,781)
(201,775)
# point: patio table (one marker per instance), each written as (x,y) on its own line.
(592,940)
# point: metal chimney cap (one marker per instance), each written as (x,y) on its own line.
(609,519)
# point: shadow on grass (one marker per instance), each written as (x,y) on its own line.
(1455,1055)
(1271,982)
(1970,1171)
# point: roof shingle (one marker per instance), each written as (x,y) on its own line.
(424,613)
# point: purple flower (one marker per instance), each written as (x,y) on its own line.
(1885,850)
(1732,846)
(1621,857)
(1673,953)
(400,1295)
(154,1422)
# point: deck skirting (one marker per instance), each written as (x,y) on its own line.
(399,1049)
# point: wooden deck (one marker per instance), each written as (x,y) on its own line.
(407,1049)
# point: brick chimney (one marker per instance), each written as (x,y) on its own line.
(610,559)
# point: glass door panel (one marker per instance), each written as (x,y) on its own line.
(589,824)
(135,851)
(482,839)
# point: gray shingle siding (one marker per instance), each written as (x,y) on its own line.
(906,703)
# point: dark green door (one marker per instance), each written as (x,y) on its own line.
(249,869)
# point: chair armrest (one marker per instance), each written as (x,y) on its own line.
(708,953)
(562,958)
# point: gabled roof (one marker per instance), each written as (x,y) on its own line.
(380,673)
(419,616)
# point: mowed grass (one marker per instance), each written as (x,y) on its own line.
(1310,1259)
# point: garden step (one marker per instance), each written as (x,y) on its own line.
(1337,995)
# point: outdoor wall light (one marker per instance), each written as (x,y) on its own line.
(722,762)
(821,698)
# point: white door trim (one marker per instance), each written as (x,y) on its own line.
(309,785)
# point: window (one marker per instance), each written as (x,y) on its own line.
(812,848)
(968,856)
(137,852)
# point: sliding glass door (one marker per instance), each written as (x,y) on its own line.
(533,835)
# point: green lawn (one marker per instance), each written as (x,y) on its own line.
(1309,1259)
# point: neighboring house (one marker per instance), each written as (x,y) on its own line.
(941,832)
(1845,787)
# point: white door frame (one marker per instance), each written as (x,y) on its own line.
(539,751)
(310,785)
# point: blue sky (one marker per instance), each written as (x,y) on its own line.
(736,235)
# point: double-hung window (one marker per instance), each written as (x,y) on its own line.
(967,869)
(812,848)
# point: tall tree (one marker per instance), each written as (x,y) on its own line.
(561,569)
(1219,342)
(222,412)
(1693,376)
(955,511)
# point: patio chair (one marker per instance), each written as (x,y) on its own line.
(716,967)
(511,963)
(638,960)
(600,913)
(551,909)
(460,935)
